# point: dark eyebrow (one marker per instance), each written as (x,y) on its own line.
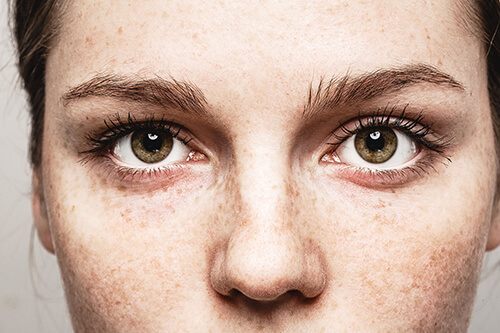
(166,93)
(349,89)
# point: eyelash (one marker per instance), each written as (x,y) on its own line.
(101,143)
(413,126)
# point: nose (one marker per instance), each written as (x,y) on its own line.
(265,263)
(267,252)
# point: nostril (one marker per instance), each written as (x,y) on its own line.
(270,292)
(266,279)
(266,307)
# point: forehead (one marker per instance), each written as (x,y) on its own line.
(257,42)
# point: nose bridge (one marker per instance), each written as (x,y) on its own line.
(262,181)
(263,232)
(264,255)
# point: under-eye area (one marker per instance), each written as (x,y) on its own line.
(387,146)
(131,148)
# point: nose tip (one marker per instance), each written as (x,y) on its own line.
(263,269)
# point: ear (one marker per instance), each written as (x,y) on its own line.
(494,234)
(40,215)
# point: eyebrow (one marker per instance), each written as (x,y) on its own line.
(327,95)
(158,91)
(348,89)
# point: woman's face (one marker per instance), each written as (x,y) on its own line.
(280,166)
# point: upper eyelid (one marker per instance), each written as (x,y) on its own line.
(405,125)
(413,125)
(117,128)
(389,116)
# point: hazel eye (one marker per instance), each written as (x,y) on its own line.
(377,147)
(150,147)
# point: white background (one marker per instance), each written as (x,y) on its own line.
(31,296)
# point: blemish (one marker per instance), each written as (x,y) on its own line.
(120,30)
(89,40)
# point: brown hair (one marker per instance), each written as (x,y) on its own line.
(36,24)
(488,22)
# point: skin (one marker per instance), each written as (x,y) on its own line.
(263,230)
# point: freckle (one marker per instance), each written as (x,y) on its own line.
(73,208)
(127,211)
(120,30)
(89,40)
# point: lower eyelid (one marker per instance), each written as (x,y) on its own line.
(423,165)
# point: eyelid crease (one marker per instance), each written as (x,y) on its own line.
(412,125)
(100,143)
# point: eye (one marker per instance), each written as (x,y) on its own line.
(377,147)
(150,147)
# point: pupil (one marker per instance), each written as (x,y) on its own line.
(152,142)
(375,141)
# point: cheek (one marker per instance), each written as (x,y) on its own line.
(123,251)
(419,281)
(411,255)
